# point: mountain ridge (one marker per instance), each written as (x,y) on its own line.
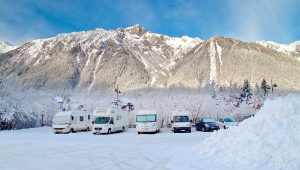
(6,47)
(133,58)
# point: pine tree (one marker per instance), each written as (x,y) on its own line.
(265,87)
(246,91)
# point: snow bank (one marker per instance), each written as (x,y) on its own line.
(270,140)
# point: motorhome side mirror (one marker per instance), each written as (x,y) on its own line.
(111,122)
(191,121)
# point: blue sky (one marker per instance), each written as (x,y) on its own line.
(248,20)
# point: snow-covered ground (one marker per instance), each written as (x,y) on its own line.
(268,141)
(39,148)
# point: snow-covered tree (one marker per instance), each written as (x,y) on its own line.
(246,91)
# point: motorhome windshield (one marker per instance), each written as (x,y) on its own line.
(102,120)
(181,119)
(146,118)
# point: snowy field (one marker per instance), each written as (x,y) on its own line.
(39,148)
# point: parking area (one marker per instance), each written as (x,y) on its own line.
(39,148)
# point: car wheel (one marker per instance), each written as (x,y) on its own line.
(87,129)
(72,130)
(139,132)
(109,131)
(203,129)
(123,129)
(224,127)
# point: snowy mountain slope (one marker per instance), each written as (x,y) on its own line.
(226,61)
(133,58)
(5,47)
(292,49)
(129,57)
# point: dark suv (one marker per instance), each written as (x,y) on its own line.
(207,124)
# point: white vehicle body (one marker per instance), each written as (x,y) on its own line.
(109,120)
(227,122)
(148,121)
(71,121)
(180,121)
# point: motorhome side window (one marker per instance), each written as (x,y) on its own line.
(81,118)
(89,117)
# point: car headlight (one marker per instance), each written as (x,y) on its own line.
(206,125)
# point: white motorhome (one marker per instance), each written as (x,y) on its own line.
(109,120)
(71,121)
(148,121)
(180,121)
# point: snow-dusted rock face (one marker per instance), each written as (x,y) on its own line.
(227,61)
(292,49)
(5,47)
(133,58)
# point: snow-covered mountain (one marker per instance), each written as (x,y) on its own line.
(5,47)
(292,49)
(133,58)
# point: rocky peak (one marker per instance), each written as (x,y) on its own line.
(136,29)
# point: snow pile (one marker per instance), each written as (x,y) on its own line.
(270,140)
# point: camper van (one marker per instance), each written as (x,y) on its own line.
(148,121)
(180,121)
(109,120)
(71,121)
